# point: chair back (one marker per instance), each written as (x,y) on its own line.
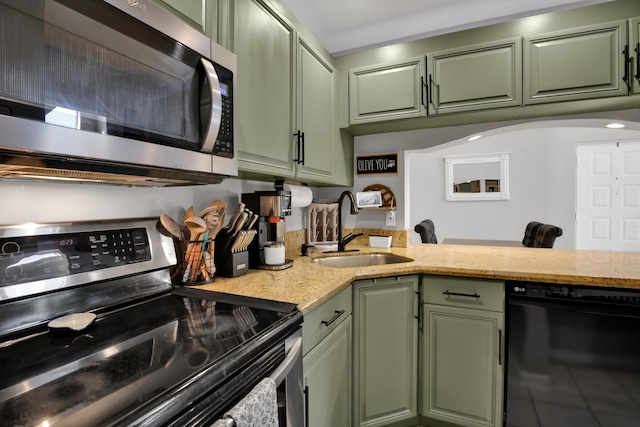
(530,233)
(546,236)
(427,231)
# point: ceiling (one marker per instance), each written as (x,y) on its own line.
(346,26)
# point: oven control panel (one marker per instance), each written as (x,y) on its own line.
(41,257)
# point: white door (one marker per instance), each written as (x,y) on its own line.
(608,196)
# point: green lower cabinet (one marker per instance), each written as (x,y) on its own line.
(327,379)
(462,352)
(462,364)
(385,350)
(578,63)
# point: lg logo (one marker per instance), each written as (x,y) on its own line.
(137,5)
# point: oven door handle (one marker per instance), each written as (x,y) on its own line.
(210,134)
(294,353)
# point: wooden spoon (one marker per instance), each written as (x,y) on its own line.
(171,226)
(189,213)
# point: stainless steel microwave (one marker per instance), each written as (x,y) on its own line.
(113,91)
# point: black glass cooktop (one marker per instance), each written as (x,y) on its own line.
(128,356)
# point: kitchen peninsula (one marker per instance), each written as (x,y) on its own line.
(436,324)
(308,284)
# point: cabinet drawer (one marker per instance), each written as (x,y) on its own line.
(323,319)
(463,292)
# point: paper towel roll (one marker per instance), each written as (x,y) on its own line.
(301,196)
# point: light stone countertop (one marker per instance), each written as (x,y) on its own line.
(308,284)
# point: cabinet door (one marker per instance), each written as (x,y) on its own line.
(581,63)
(327,379)
(316,115)
(477,77)
(462,366)
(194,12)
(265,45)
(387,91)
(385,350)
(634,50)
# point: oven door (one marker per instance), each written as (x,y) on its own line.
(573,358)
(104,81)
(286,373)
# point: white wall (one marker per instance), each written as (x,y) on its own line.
(24,201)
(403,142)
(542,181)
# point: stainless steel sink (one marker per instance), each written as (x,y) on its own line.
(364,260)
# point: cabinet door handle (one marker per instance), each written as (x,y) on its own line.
(423,86)
(456,294)
(627,61)
(500,347)
(431,90)
(306,406)
(302,144)
(299,135)
(637,61)
(334,318)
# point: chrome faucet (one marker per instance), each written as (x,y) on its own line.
(343,241)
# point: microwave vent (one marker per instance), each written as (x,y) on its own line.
(132,176)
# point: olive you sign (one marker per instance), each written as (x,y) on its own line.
(379,163)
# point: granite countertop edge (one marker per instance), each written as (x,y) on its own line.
(308,284)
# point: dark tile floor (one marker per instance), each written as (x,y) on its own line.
(575,397)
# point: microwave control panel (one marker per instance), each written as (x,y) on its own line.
(224,143)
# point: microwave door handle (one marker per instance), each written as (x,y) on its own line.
(211,133)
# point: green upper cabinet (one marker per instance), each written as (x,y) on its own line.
(579,63)
(316,116)
(285,102)
(197,13)
(265,45)
(387,91)
(476,77)
(634,48)
(385,350)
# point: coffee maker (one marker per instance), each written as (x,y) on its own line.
(267,252)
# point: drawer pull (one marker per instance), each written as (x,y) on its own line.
(456,294)
(334,318)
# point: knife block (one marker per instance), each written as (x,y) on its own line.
(233,265)
(229,264)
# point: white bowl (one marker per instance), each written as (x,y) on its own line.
(379,241)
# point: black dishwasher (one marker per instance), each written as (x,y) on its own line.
(573,356)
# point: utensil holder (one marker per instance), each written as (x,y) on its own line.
(197,265)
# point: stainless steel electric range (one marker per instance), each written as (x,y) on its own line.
(155,355)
